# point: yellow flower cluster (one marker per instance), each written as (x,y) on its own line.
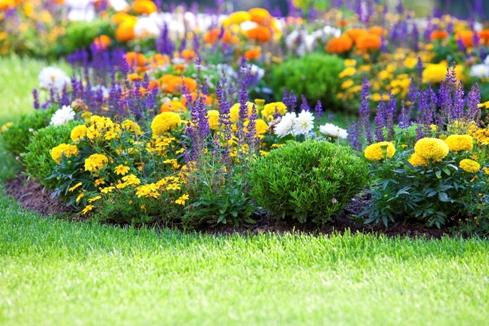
(431,149)
(165,122)
(99,128)
(459,143)
(96,162)
(78,133)
(63,150)
(470,166)
(379,151)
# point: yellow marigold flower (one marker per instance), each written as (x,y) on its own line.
(173,186)
(94,199)
(271,109)
(172,162)
(107,190)
(99,182)
(78,185)
(78,133)
(131,126)
(63,150)
(165,122)
(458,143)
(6,127)
(261,127)
(121,169)
(431,149)
(234,111)
(347,84)
(379,151)
(484,105)
(348,72)
(131,180)
(436,72)
(470,166)
(148,191)
(96,162)
(182,199)
(350,62)
(213,118)
(486,170)
(410,62)
(87,209)
(416,160)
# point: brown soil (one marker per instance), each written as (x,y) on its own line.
(33,196)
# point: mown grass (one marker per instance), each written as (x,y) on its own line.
(57,272)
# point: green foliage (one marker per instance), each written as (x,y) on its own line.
(315,76)
(81,34)
(17,137)
(437,195)
(307,182)
(219,193)
(37,158)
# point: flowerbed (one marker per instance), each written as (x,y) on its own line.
(222,119)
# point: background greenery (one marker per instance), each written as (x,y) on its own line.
(59,272)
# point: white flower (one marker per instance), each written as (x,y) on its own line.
(147,26)
(80,10)
(256,71)
(480,71)
(331,130)
(286,125)
(248,25)
(62,116)
(486,61)
(304,123)
(118,5)
(53,78)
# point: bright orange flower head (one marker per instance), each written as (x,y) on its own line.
(253,54)
(135,59)
(188,54)
(102,42)
(176,84)
(260,16)
(377,30)
(144,7)
(467,38)
(260,34)
(439,34)
(356,33)
(339,45)
(125,30)
(484,36)
(212,36)
(369,42)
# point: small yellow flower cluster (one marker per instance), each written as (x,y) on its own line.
(96,162)
(63,150)
(102,128)
(379,151)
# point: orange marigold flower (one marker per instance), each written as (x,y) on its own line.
(102,42)
(125,30)
(175,84)
(188,54)
(467,38)
(439,34)
(253,54)
(212,36)
(260,16)
(369,42)
(484,36)
(135,59)
(144,7)
(356,33)
(339,45)
(377,30)
(260,34)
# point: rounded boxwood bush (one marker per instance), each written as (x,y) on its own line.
(37,158)
(307,182)
(17,137)
(315,76)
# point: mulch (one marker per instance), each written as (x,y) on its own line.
(33,196)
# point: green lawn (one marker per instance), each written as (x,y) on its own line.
(54,272)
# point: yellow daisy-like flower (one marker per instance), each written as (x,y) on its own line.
(431,149)
(87,209)
(79,197)
(78,133)
(131,126)
(121,169)
(63,150)
(164,122)
(234,111)
(416,160)
(270,110)
(182,199)
(469,166)
(107,190)
(261,127)
(458,143)
(78,185)
(148,191)
(379,151)
(96,162)
(213,118)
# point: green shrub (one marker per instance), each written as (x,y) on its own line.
(307,182)
(315,76)
(80,35)
(37,158)
(219,193)
(17,137)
